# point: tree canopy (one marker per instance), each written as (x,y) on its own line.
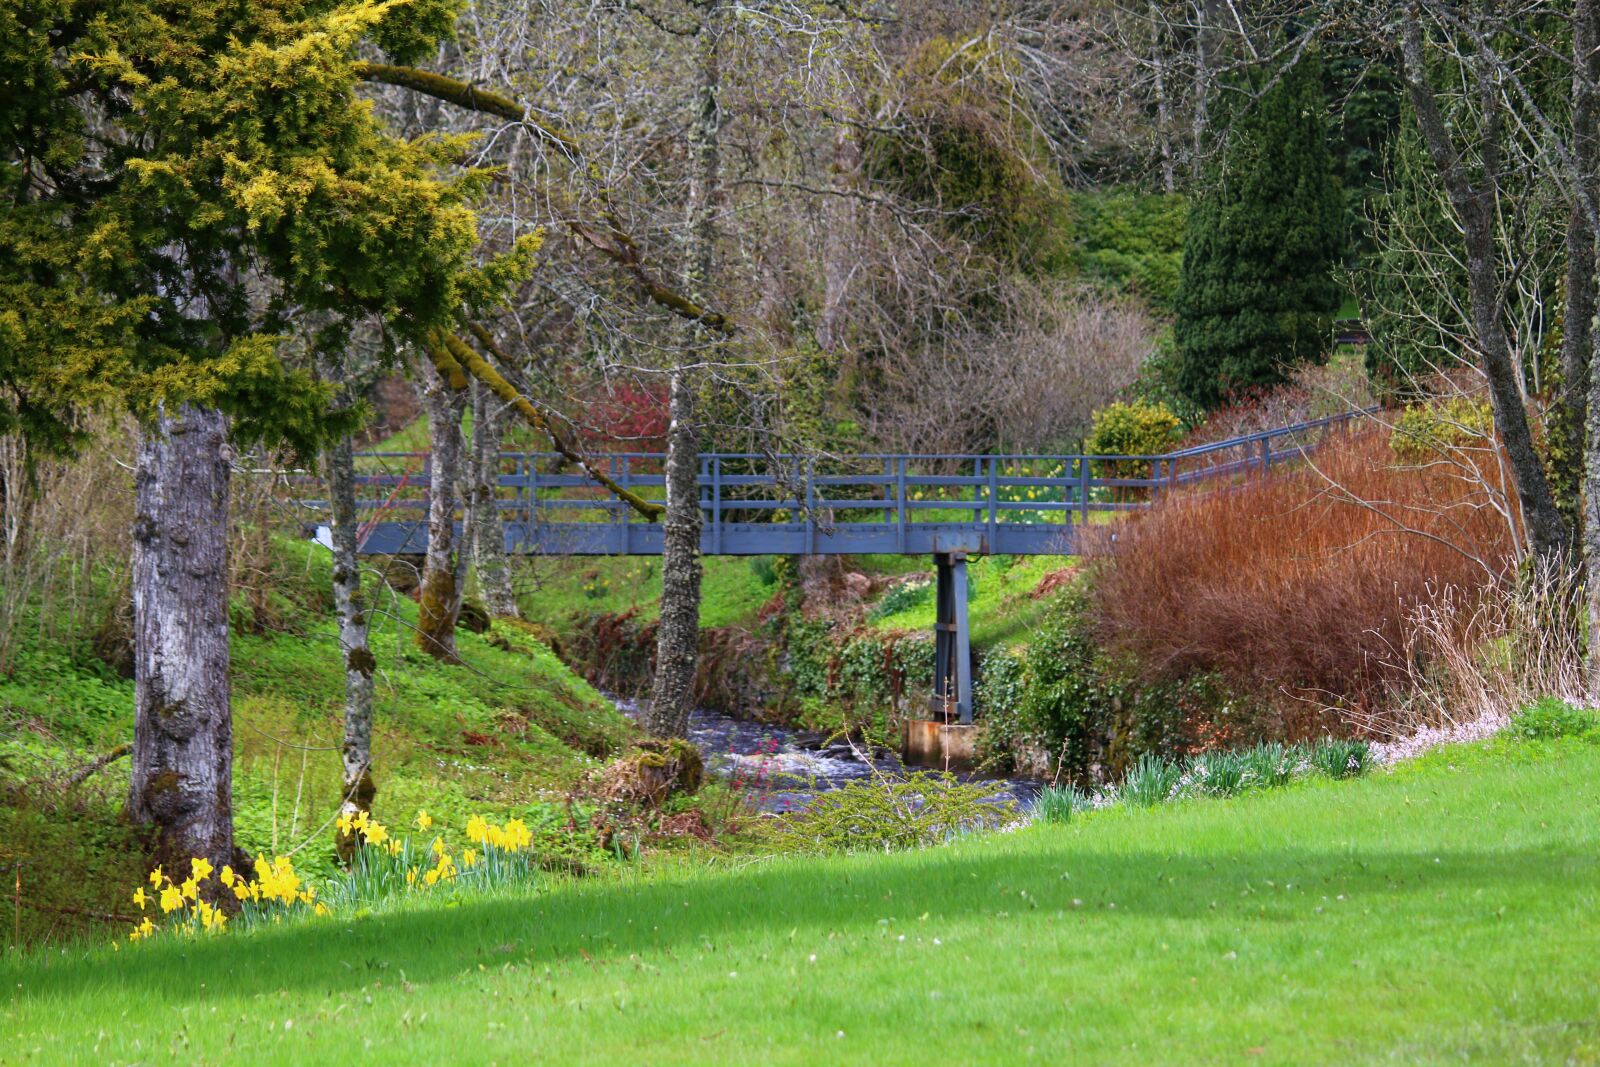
(1257,292)
(183,184)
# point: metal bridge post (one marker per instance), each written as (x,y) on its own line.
(1083,490)
(952,647)
(994,504)
(716,504)
(900,503)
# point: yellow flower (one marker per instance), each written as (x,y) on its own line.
(171,899)
(432,877)
(190,889)
(477,829)
(469,857)
(411,876)
(376,834)
(226,877)
(394,847)
(424,820)
(438,846)
(200,870)
(139,898)
(322,909)
(345,823)
(155,878)
(241,890)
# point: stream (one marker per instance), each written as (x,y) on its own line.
(784,768)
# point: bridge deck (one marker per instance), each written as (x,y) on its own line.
(791,505)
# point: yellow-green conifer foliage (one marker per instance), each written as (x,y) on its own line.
(182,185)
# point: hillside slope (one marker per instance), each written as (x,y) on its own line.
(506,732)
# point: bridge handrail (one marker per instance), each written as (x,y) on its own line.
(1254,437)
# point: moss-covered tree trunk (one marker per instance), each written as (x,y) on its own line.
(485,532)
(678,634)
(182,775)
(439,602)
(350,610)
(1577,329)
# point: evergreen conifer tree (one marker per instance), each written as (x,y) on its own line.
(1257,292)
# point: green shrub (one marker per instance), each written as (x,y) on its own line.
(1272,763)
(764,569)
(1057,804)
(1341,758)
(1549,718)
(902,597)
(1130,241)
(883,814)
(1133,428)
(1152,780)
(1219,773)
(1424,431)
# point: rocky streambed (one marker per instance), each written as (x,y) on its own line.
(785,768)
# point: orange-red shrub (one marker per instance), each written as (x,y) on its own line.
(1299,582)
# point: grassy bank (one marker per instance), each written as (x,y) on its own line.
(506,732)
(1437,914)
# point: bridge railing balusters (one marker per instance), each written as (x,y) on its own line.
(568,508)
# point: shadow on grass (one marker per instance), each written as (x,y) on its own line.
(592,924)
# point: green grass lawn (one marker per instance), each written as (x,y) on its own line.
(1442,913)
(1001,609)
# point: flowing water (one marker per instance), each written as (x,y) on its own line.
(785,768)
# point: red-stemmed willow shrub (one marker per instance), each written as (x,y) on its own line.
(1302,582)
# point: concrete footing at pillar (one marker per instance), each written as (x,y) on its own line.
(933,743)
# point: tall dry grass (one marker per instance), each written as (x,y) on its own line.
(1308,582)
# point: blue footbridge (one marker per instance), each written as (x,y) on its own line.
(950,507)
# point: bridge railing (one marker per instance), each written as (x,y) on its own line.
(755,502)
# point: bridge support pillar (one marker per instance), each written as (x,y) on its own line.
(952,671)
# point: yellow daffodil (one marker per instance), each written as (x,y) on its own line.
(469,857)
(241,890)
(393,846)
(438,846)
(139,897)
(376,833)
(171,899)
(190,889)
(424,820)
(200,870)
(322,909)
(411,876)
(155,878)
(226,877)
(432,877)
(345,823)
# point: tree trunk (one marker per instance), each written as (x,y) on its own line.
(678,633)
(485,532)
(1577,331)
(351,612)
(840,252)
(182,776)
(1169,179)
(1548,534)
(439,602)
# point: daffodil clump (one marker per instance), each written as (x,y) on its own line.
(382,866)
(385,865)
(185,907)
